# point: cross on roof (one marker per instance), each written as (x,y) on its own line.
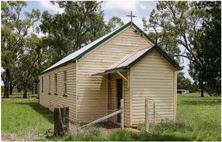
(131,17)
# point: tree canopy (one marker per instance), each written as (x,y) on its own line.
(195,27)
(206,43)
(15,32)
(81,23)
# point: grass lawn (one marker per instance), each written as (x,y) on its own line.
(197,119)
(24,118)
(16,95)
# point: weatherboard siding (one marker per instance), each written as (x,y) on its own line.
(153,77)
(92,90)
(52,101)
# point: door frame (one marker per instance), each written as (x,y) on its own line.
(116,104)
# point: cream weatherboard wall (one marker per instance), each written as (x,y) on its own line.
(155,78)
(52,101)
(92,98)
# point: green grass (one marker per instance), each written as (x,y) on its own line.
(198,119)
(201,117)
(24,117)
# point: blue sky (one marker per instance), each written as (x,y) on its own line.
(111,8)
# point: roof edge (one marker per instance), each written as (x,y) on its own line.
(93,47)
(117,69)
(68,62)
(144,34)
(142,56)
(169,58)
(102,41)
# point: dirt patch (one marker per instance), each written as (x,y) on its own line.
(9,137)
(111,126)
(108,125)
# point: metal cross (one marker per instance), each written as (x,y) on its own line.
(131,16)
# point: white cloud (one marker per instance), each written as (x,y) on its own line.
(124,7)
(47,5)
(40,34)
(32,30)
(148,5)
(120,8)
(143,7)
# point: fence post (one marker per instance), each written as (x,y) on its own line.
(122,114)
(146,115)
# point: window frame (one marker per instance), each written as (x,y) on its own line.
(56,83)
(42,84)
(49,85)
(65,83)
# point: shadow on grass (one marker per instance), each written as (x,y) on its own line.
(45,112)
(125,135)
(203,102)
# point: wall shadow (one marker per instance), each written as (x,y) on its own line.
(45,112)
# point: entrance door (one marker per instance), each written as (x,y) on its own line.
(119,95)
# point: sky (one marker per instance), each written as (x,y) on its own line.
(111,8)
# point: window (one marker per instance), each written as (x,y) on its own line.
(55,82)
(49,84)
(42,84)
(65,82)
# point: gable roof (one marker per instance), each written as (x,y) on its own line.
(84,50)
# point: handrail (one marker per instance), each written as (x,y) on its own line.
(108,116)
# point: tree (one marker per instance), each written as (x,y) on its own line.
(185,83)
(207,46)
(165,40)
(76,27)
(182,19)
(114,23)
(28,59)
(14,32)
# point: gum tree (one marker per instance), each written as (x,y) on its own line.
(14,31)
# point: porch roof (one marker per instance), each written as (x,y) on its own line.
(131,59)
(127,61)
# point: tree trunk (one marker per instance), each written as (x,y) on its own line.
(202,93)
(25,89)
(11,87)
(32,88)
(36,88)
(61,121)
(6,91)
(202,89)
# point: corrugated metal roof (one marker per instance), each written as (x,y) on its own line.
(128,59)
(80,51)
